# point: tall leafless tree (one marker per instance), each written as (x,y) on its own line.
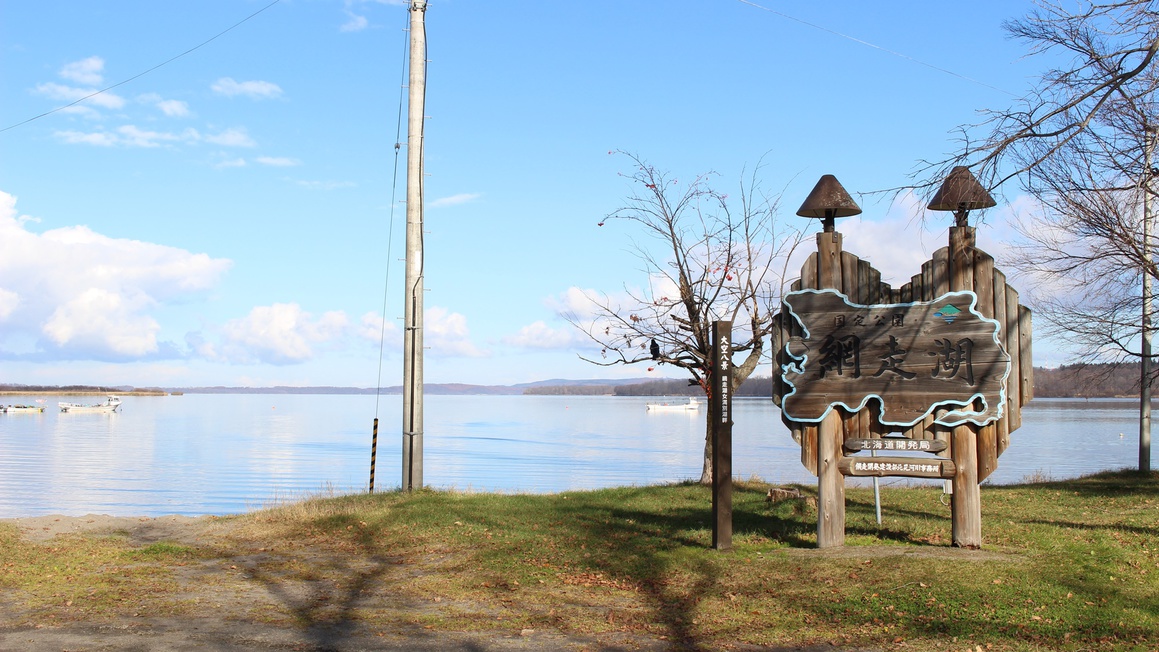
(1080,143)
(1106,53)
(702,263)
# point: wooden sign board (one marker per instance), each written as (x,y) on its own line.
(895,444)
(912,358)
(909,467)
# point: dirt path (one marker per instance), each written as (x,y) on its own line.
(244,603)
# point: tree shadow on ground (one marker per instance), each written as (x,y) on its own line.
(645,543)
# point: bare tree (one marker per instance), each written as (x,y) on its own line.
(1081,144)
(701,263)
(1085,241)
(1108,55)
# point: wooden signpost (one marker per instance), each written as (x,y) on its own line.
(944,361)
(722,435)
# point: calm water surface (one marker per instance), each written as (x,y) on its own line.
(221,454)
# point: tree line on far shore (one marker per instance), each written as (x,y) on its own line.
(1067,381)
(756,386)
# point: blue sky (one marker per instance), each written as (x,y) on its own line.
(225,218)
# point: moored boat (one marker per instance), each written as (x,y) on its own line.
(17,409)
(692,404)
(109,405)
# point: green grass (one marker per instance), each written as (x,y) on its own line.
(1068,565)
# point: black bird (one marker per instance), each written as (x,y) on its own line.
(655,349)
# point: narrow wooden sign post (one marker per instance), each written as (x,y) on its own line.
(722,435)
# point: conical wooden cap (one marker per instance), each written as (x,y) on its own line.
(828,199)
(961,191)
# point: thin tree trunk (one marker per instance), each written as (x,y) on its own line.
(706,471)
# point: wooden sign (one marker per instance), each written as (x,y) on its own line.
(895,444)
(912,358)
(721,429)
(910,467)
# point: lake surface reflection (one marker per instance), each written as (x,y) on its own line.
(221,453)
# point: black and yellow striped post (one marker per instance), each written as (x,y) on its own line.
(373,452)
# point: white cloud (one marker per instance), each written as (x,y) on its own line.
(99,139)
(447,335)
(127,136)
(173,108)
(83,295)
(281,333)
(236,137)
(373,329)
(278,161)
(539,335)
(86,71)
(354,23)
(64,93)
(8,302)
(133,136)
(98,318)
(255,90)
(575,303)
(455,200)
(232,163)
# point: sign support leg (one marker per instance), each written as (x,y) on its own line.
(830,483)
(966,504)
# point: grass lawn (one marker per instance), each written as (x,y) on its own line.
(1069,565)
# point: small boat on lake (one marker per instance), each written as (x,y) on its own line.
(109,405)
(692,404)
(18,409)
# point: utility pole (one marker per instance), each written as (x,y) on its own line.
(412,365)
(1145,349)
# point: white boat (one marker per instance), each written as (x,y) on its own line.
(110,405)
(17,409)
(692,404)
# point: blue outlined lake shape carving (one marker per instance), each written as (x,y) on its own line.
(916,359)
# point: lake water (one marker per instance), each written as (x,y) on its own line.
(221,454)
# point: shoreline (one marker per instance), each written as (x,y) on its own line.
(135,392)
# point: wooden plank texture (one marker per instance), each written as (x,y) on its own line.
(1002,439)
(1013,346)
(966,504)
(1026,359)
(830,484)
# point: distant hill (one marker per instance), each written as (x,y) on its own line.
(451,389)
(1068,381)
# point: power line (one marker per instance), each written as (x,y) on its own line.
(142,74)
(876,47)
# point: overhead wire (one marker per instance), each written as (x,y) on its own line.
(874,46)
(142,74)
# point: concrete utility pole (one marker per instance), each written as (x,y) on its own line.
(412,365)
(1145,366)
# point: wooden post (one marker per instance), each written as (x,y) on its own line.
(966,504)
(830,483)
(967,500)
(831,430)
(722,435)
